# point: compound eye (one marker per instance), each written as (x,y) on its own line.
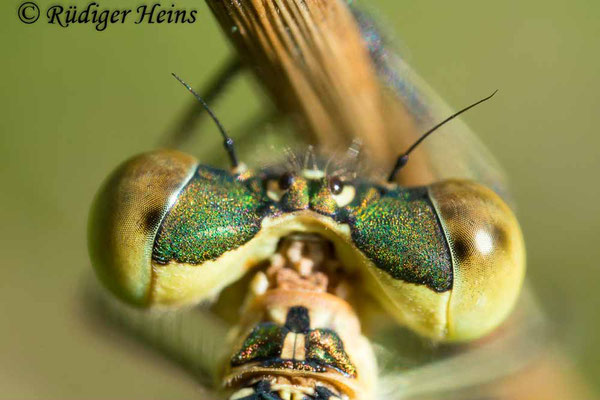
(126,216)
(488,256)
(277,187)
(342,193)
(152,230)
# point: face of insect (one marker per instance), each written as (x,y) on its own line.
(446,260)
(310,248)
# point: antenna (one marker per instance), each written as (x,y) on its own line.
(227,141)
(403,158)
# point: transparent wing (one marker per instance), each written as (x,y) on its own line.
(455,151)
(193,337)
(452,371)
(311,58)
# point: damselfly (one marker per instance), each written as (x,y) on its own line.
(319,279)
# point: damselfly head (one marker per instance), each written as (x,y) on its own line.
(445,259)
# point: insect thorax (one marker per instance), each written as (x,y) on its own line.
(299,338)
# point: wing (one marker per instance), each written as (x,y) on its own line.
(455,151)
(312,61)
(325,65)
(191,337)
(468,371)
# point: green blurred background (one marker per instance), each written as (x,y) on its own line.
(76,102)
